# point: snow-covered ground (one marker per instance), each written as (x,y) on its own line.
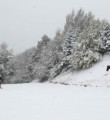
(35,101)
(94,76)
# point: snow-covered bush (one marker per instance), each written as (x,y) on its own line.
(85,54)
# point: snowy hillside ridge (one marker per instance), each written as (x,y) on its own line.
(95,76)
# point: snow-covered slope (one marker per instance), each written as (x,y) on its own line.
(35,101)
(94,76)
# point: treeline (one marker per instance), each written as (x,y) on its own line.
(82,43)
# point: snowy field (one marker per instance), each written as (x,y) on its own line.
(35,101)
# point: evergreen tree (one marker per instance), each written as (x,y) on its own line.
(105,36)
(6,67)
(23,66)
(85,54)
(41,44)
(70,39)
(87,48)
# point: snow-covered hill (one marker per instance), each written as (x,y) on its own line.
(35,101)
(94,76)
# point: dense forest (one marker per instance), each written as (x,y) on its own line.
(82,43)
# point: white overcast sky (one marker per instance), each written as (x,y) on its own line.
(23,22)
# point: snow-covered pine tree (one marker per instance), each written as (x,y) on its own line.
(105,36)
(6,67)
(84,54)
(41,44)
(87,48)
(69,22)
(42,58)
(75,24)
(70,39)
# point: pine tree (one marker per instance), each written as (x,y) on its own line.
(87,48)
(105,36)
(70,39)
(23,66)
(6,67)
(41,44)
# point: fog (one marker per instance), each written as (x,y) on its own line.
(24,22)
